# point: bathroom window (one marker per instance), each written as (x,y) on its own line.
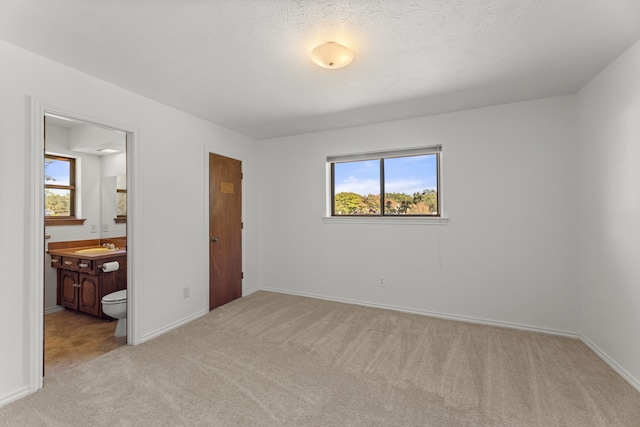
(387,184)
(59,188)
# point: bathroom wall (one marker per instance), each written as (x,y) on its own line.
(609,242)
(89,175)
(507,254)
(89,200)
(171,247)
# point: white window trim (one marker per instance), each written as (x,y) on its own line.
(404,220)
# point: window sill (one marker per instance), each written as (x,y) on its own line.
(48,222)
(385,220)
(120,220)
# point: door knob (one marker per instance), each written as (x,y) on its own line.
(214,239)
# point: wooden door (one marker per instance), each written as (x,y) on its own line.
(225,230)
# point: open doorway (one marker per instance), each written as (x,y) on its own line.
(41,296)
(85,195)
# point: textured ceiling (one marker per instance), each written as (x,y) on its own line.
(244,64)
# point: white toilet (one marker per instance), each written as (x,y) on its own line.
(115,305)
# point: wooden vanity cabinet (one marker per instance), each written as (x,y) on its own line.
(82,283)
(79,291)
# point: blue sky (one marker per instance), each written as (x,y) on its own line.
(58,170)
(402,175)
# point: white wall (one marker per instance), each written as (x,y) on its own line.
(170,251)
(609,109)
(88,208)
(114,164)
(88,177)
(507,254)
(526,212)
(92,138)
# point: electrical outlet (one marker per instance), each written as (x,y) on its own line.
(185,292)
(381,281)
(94,228)
(105,228)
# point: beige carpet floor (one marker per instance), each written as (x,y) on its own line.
(279,360)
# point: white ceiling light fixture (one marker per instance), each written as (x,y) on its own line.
(332,55)
(108,150)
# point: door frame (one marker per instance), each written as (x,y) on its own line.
(34,249)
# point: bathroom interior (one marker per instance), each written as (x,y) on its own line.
(85,254)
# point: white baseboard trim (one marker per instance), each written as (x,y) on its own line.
(612,363)
(184,321)
(53,309)
(173,325)
(251,291)
(12,397)
(459,318)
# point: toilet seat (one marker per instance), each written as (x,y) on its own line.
(115,297)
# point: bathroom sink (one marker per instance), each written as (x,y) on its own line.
(94,251)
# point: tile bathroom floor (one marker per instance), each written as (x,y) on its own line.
(71,338)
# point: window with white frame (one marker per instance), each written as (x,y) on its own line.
(387,183)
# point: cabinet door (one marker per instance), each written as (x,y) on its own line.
(90,295)
(68,284)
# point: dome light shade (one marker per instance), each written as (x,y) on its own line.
(332,55)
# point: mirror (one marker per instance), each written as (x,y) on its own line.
(114,205)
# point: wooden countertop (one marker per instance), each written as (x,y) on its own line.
(70,252)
